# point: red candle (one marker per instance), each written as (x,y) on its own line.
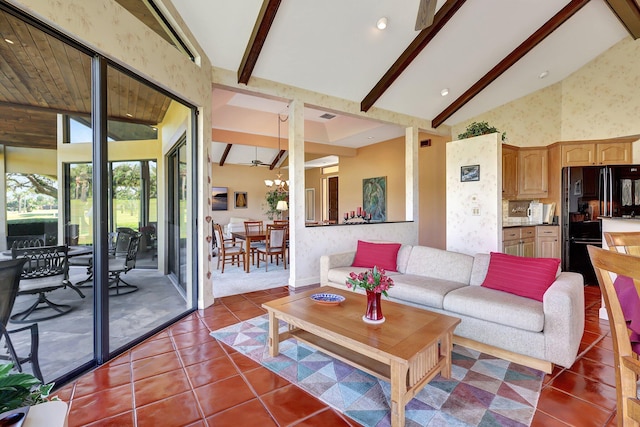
(359,211)
(353,214)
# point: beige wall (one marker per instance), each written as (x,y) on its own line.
(382,159)
(313,179)
(432,192)
(601,100)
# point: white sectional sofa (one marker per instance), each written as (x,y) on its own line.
(522,330)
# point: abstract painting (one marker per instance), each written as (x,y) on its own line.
(374,197)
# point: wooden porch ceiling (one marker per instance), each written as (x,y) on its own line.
(40,76)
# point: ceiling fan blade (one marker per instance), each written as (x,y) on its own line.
(426,12)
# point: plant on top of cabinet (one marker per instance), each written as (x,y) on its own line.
(480,128)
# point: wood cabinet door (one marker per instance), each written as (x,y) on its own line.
(614,153)
(509,173)
(548,247)
(511,247)
(533,173)
(528,248)
(578,155)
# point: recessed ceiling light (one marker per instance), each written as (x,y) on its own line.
(369,137)
(444,92)
(9,41)
(543,74)
(129,115)
(382,23)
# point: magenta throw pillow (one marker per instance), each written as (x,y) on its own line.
(523,276)
(384,255)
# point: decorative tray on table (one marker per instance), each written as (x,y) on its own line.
(327,299)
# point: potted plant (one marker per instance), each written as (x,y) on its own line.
(21,389)
(480,128)
(272,198)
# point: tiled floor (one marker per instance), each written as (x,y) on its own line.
(181,377)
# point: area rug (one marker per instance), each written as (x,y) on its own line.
(483,390)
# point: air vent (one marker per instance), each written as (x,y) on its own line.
(425,143)
(327,116)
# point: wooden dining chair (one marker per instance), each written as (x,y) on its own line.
(624,242)
(275,245)
(615,271)
(284,222)
(254,227)
(229,252)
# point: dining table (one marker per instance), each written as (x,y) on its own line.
(254,236)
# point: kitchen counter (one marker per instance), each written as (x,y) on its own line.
(524,224)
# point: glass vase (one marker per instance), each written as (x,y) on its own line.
(373,314)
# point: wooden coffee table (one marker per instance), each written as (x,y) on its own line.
(410,348)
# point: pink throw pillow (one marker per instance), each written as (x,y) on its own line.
(523,276)
(384,255)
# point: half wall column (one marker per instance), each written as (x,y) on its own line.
(296,182)
(411,173)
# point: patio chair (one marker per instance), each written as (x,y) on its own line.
(623,309)
(122,262)
(228,251)
(10,271)
(46,269)
(276,245)
(26,241)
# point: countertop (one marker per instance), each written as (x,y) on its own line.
(524,224)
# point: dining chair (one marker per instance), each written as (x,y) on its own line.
(625,242)
(275,245)
(46,269)
(624,321)
(10,272)
(123,261)
(255,227)
(286,223)
(228,251)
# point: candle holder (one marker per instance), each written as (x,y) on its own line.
(359,216)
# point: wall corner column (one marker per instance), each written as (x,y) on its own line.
(411,173)
(296,184)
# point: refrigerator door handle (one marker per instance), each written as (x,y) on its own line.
(605,185)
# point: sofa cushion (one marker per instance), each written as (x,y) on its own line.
(440,264)
(479,270)
(523,276)
(496,306)
(426,291)
(384,255)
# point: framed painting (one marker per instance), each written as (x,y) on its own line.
(219,198)
(374,197)
(240,198)
(470,173)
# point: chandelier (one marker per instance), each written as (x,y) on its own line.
(280,184)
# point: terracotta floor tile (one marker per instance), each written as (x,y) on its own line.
(606,343)
(595,370)
(201,352)
(106,377)
(248,414)
(571,410)
(243,362)
(600,355)
(232,299)
(290,404)
(210,371)
(155,365)
(123,358)
(190,339)
(225,394)
(587,389)
(540,419)
(103,404)
(158,387)
(250,313)
(178,410)
(120,420)
(190,324)
(65,393)
(240,305)
(263,380)
(222,321)
(152,348)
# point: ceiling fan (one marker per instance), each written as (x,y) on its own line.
(256,161)
(426,12)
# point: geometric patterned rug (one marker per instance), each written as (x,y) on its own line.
(483,391)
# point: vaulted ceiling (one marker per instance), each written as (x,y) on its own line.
(484,53)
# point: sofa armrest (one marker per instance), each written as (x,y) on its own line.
(563,305)
(327,262)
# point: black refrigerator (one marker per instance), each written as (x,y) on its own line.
(590,193)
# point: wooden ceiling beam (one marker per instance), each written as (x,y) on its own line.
(628,12)
(256,41)
(525,47)
(443,16)
(273,164)
(225,154)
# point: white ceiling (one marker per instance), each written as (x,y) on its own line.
(333,47)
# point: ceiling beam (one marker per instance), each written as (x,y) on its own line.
(256,41)
(549,27)
(410,53)
(225,154)
(628,12)
(276,159)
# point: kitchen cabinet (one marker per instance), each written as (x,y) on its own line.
(519,241)
(533,173)
(596,153)
(548,241)
(509,172)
